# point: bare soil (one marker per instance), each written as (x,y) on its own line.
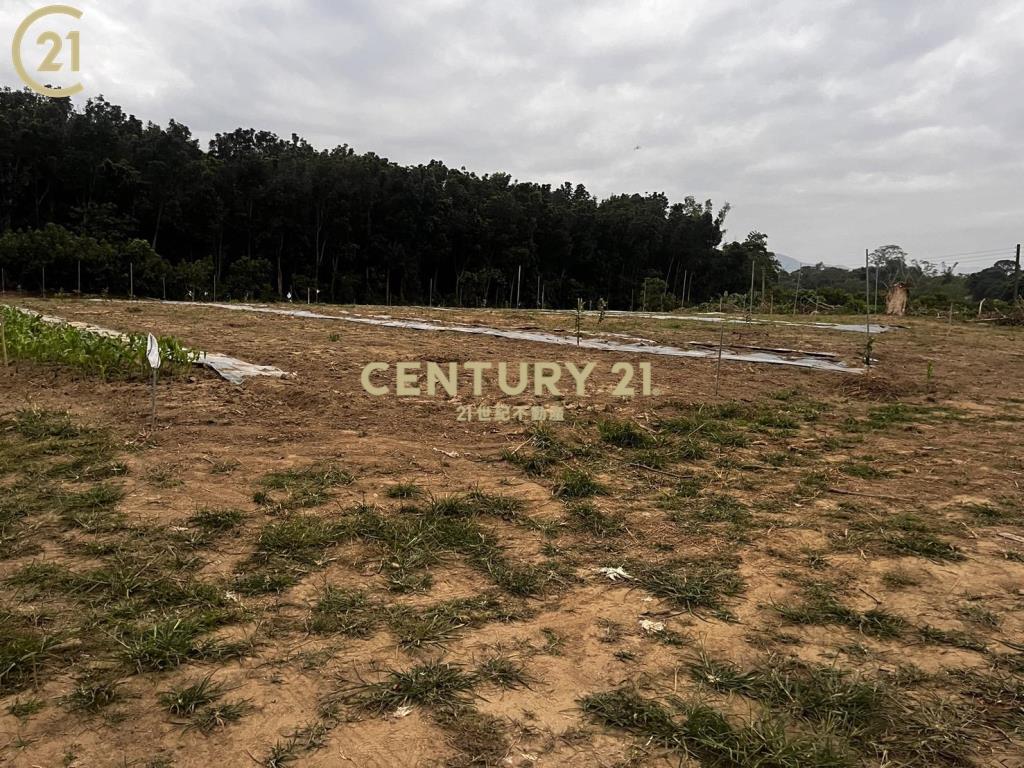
(826,471)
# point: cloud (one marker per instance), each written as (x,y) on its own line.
(832,125)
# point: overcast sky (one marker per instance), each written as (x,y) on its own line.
(832,126)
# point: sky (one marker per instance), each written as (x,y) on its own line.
(831,125)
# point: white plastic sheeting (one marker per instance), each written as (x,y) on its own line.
(799,360)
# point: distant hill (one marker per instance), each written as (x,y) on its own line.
(788,263)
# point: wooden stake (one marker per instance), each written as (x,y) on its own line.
(718,365)
(3,336)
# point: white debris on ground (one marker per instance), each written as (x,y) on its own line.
(543,337)
(651,627)
(229,368)
(235,370)
(615,574)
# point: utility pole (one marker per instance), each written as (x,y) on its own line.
(750,304)
(796,297)
(867,307)
(1016,278)
(519,284)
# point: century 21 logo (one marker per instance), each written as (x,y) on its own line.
(52,60)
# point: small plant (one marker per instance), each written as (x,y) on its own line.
(436,684)
(587,518)
(504,672)
(403,491)
(93,692)
(344,612)
(186,700)
(576,484)
(624,434)
(217,520)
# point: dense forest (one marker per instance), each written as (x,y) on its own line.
(94,200)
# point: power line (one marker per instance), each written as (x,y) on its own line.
(1004,249)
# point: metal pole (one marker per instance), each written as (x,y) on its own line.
(152,412)
(79,277)
(796,298)
(131,280)
(519,284)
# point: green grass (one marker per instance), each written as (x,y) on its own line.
(692,586)
(624,434)
(189,698)
(24,708)
(302,487)
(505,672)
(951,637)
(584,517)
(695,729)
(434,684)
(93,692)
(200,704)
(299,538)
(343,611)
(820,606)
(575,483)
(215,521)
(167,644)
(403,491)
(439,623)
(25,652)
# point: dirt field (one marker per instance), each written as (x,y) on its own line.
(811,568)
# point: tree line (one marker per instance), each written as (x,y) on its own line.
(98,201)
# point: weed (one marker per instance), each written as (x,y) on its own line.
(308,486)
(951,637)
(576,483)
(343,611)
(403,491)
(24,650)
(166,644)
(217,520)
(690,586)
(186,700)
(587,518)
(93,692)
(435,684)
(22,708)
(899,578)
(820,606)
(504,672)
(624,434)
(439,623)
(707,735)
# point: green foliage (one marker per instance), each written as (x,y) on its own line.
(29,337)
